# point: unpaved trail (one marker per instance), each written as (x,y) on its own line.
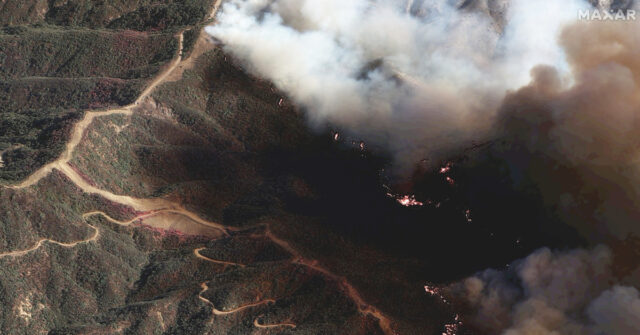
(205,287)
(351,291)
(80,127)
(41,242)
(202,45)
(214,10)
(155,216)
(155,207)
(112,220)
(275,325)
(201,256)
(243,307)
(141,205)
(62,163)
(363,307)
(76,137)
(161,78)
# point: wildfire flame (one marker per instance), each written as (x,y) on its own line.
(409,201)
(406,200)
(445,168)
(449,328)
(434,291)
(452,328)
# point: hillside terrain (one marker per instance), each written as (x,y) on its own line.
(149,188)
(149,184)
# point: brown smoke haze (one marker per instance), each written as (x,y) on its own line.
(585,133)
(552,293)
(582,144)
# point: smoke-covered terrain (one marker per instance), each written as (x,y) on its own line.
(415,79)
(556,96)
(356,167)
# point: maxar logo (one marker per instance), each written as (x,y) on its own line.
(604,15)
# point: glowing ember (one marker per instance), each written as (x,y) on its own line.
(409,201)
(361,145)
(281,102)
(450,180)
(445,168)
(450,329)
(336,136)
(432,290)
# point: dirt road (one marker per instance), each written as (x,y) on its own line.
(41,242)
(80,127)
(157,207)
(275,325)
(211,260)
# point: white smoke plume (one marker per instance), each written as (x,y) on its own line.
(416,78)
(553,293)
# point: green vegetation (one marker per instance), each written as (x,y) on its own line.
(243,250)
(52,210)
(190,38)
(27,96)
(158,14)
(182,14)
(59,58)
(30,141)
(49,76)
(55,52)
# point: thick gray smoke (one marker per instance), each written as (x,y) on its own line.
(553,293)
(416,78)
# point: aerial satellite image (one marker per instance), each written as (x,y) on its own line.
(320,167)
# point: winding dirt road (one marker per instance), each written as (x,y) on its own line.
(350,290)
(215,311)
(363,307)
(243,307)
(202,45)
(80,127)
(201,256)
(156,207)
(62,163)
(110,219)
(41,242)
(275,325)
